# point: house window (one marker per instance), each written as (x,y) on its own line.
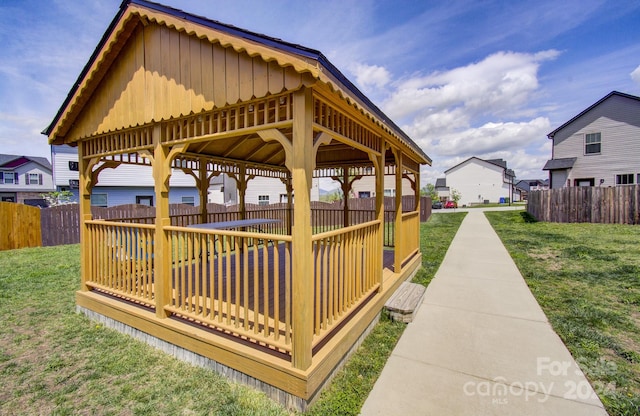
(284,199)
(8,177)
(364,194)
(144,200)
(389,192)
(592,143)
(624,179)
(263,199)
(99,200)
(73,166)
(34,179)
(584,182)
(189,200)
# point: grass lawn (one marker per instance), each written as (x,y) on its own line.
(586,278)
(54,361)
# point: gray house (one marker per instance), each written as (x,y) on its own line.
(598,147)
(24,178)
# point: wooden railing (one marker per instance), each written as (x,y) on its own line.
(240,283)
(120,259)
(410,234)
(237,282)
(346,272)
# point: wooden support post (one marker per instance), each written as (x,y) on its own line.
(289,187)
(346,184)
(85,182)
(162,244)
(302,164)
(241,184)
(203,188)
(398,238)
(378,162)
(417,190)
(346,189)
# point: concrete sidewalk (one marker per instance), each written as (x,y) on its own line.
(480,344)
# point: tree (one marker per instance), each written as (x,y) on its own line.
(430,191)
(455,195)
(58,198)
(335,195)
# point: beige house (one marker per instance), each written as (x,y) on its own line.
(599,146)
(279,306)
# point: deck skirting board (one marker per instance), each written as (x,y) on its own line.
(307,384)
(287,400)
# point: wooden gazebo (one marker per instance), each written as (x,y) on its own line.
(284,307)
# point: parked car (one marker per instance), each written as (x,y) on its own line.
(436,205)
(451,204)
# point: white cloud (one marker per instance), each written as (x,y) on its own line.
(370,76)
(497,84)
(491,137)
(635,75)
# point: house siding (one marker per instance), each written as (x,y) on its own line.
(60,158)
(22,190)
(121,184)
(368,184)
(274,188)
(618,121)
(121,196)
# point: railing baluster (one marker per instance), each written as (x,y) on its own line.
(265,288)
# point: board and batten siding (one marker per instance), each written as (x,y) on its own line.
(618,121)
(162,74)
(478,181)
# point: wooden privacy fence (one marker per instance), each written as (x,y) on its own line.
(19,226)
(61,224)
(610,205)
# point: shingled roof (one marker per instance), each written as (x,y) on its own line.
(308,60)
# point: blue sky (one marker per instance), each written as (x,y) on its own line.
(462,77)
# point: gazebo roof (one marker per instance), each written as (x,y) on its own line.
(311,64)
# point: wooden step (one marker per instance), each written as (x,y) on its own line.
(404,303)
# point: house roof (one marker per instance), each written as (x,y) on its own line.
(497,162)
(269,48)
(597,103)
(441,183)
(14,161)
(557,164)
(525,184)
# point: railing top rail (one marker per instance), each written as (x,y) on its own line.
(230,233)
(339,231)
(121,224)
(410,214)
